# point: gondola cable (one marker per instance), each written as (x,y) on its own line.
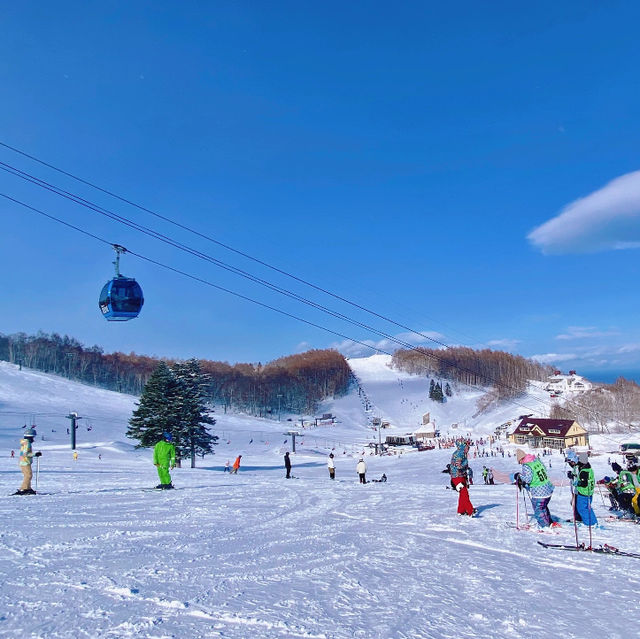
(285,313)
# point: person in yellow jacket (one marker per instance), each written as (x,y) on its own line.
(164,459)
(26,459)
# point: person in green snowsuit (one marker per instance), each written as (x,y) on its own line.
(164,459)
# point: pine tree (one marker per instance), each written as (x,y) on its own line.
(432,386)
(153,416)
(438,395)
(173,401)
(447,390)
(192,436)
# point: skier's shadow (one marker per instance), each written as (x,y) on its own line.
(481,509)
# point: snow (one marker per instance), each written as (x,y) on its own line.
(258,556)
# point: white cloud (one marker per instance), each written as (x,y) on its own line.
(607,219)
(554,358)
(583,332)
(352,349)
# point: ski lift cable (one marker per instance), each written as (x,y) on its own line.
(217,242)
(79,200)
(292,316)
(152,233)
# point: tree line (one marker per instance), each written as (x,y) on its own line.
(294,384)
(505,375)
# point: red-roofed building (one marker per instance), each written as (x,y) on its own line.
(538,432)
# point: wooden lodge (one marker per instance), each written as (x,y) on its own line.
(538,432)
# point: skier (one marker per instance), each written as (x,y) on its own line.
(361,469)
(236,465)
(584,484)
(458,471)
(572,459)
(26,459)
(164,459)
(226,466)
(13,454)
(533,477)
(287,464)
(331,465)
(484,474)
(75,455)
(490,477)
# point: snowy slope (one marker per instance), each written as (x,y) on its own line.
(257,556)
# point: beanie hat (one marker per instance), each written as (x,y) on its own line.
(583,458)
(520,454)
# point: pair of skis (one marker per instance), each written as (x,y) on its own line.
(604,549)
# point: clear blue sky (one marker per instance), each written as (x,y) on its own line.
(426,161)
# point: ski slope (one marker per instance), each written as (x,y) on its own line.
(96,554)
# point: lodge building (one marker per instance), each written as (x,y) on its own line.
(538,432)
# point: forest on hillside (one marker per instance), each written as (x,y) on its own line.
(293,384)
(505,375)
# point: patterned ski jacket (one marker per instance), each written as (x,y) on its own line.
(459,461)
(26,452)
(534,474)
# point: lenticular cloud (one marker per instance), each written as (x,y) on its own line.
(604,220)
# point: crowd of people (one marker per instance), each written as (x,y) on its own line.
(532,477)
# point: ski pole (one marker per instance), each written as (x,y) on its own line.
(517,508)
(575,523)
(590,537)
(37,469)
(601,495)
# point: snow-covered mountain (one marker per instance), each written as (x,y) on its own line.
(255,555)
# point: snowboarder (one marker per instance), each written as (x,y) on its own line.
(331,465)
(26,459)
(533,477)
(164,459)
(584,484)
(287,464)
(458,472)
(236,465)
(361,469)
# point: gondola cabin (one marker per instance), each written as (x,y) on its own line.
(121,299)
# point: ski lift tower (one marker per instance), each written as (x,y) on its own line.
(293,434)
(74,418)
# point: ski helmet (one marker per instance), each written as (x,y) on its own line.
(30,432)
(168,436)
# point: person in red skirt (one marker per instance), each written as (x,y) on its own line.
(458,470)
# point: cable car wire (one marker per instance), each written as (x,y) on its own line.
(305,321)
(222,244)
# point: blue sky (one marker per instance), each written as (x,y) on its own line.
(468,171)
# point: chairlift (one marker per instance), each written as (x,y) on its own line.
(121,298)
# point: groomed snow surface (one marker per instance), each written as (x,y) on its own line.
(98,554)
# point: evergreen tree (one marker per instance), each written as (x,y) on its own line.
(438,395)
(153,415)
(173,400)
(447,390)
(432,386)
(192,436)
